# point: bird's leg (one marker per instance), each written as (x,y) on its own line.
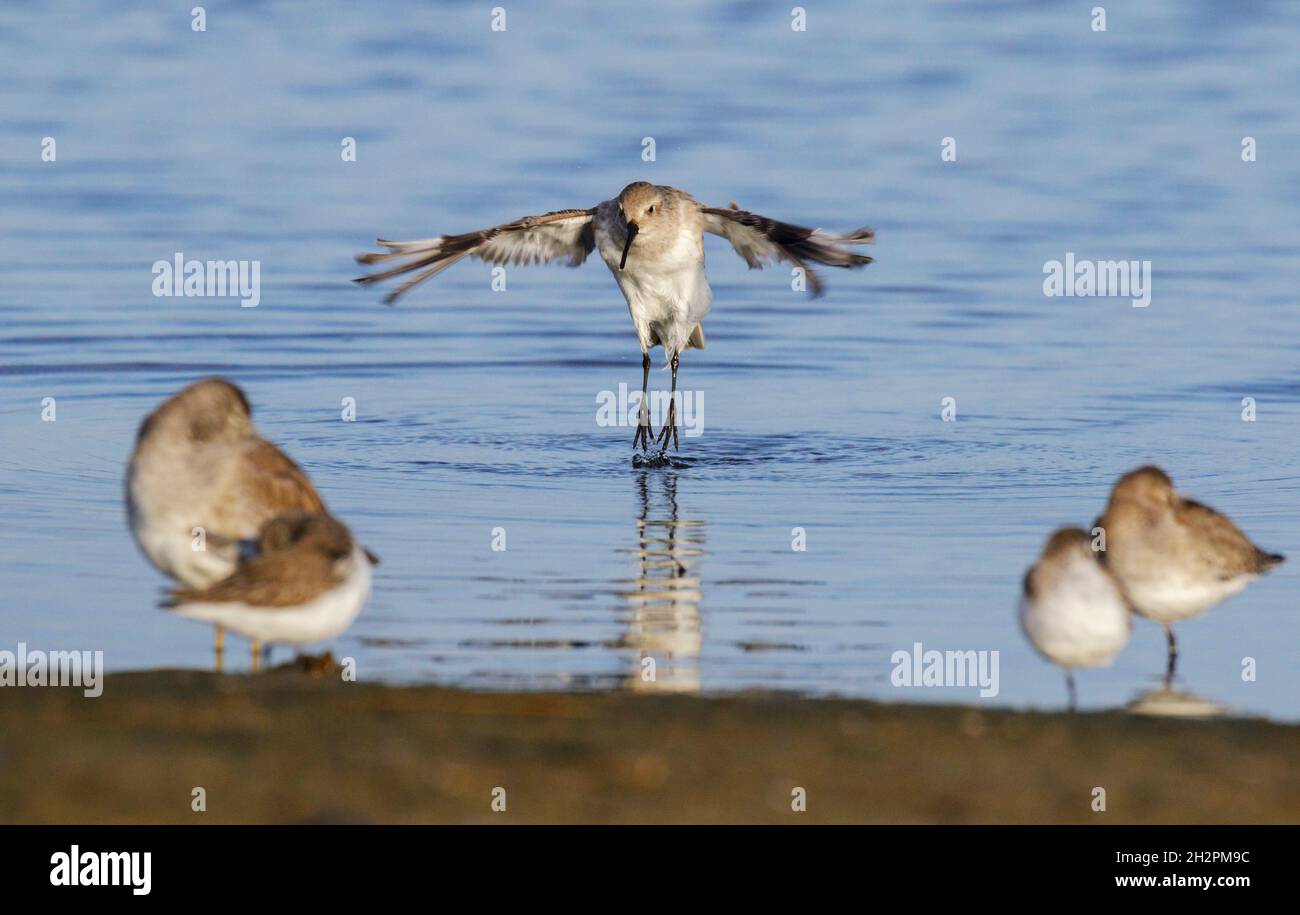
(1070,690)
(643,431)
(670,426)
(1173,655)
(219,644)
(257,656)
(672,406)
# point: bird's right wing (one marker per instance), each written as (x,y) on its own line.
(530,240)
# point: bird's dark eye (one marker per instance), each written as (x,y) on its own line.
(651,210)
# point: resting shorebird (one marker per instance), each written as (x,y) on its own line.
(662,276)
(1073,610)
(201,484)
(306,582)
(1174,558)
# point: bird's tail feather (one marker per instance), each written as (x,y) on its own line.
(1268,560)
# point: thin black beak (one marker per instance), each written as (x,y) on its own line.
(632,229)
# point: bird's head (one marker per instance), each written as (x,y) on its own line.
(296,530)
(1149,486)
(638,204)
(209,410)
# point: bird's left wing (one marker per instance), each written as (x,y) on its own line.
(760,240)
(530,240)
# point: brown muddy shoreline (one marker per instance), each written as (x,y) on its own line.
(286,747)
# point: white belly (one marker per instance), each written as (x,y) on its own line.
(1081,623)
(666,308)
(172,491)
(666,288)
(164,527)
(170,544)
(1170,600)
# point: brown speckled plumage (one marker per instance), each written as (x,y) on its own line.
(299,557)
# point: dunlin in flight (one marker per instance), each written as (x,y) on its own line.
(652,239)
(202,482)
(1174,558)
(306,581)
(1072,609)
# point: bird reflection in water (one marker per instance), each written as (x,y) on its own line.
(664,625)
(1167,702)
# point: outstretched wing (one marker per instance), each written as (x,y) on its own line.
(530,240)
(760,240)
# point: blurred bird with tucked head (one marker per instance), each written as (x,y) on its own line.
(202,483)
(306,582)
(1175,558)
(1072,610)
